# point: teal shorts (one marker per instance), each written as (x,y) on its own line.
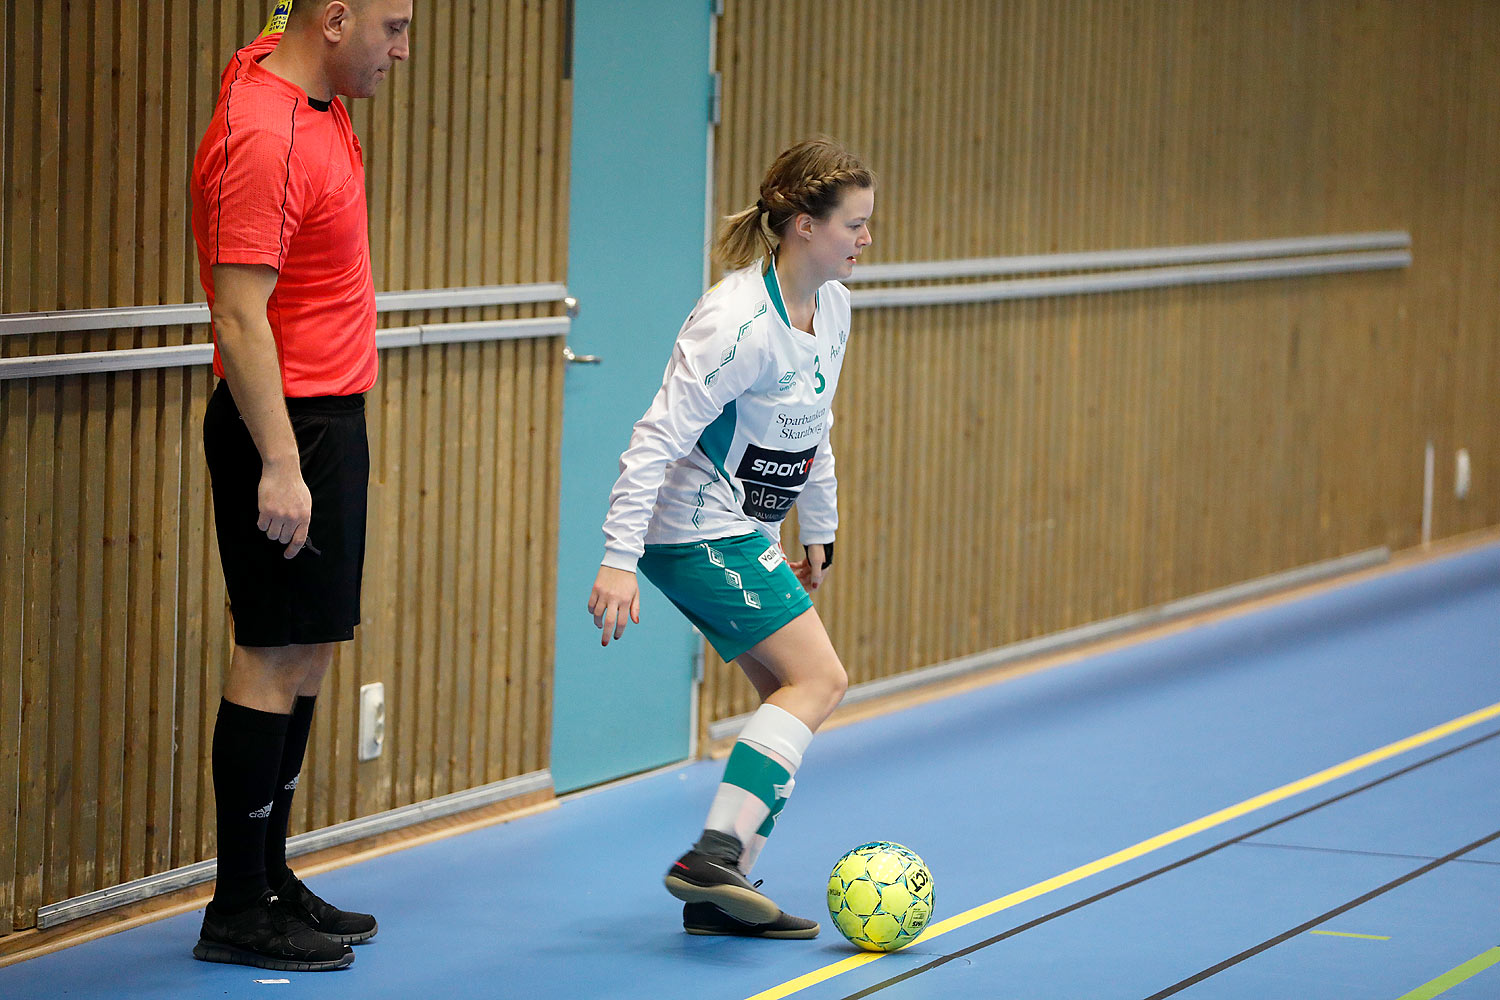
(737,591)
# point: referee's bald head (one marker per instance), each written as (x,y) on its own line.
(350,44)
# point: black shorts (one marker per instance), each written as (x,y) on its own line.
(313,597)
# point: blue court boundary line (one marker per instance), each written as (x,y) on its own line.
(1366,854)
(1189,859)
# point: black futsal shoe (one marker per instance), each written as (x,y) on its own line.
(340,925)
(268,935)
(701,878)
(706,918)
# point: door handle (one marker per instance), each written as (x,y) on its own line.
(570,305)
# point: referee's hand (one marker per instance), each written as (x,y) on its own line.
(616,594)
(285,507)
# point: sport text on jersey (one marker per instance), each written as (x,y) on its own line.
(772,480)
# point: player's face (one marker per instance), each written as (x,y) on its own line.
(376,38)
(838,240)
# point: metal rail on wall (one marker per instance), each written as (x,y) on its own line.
(1126,270)
(135,317)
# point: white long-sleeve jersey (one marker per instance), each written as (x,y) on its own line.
(738,432)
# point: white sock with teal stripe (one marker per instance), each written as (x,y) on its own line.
(758,779)
(751,852)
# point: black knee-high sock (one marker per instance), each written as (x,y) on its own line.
(292,753)
(246,755)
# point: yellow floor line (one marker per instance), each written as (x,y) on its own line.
(1442,984)
(1367,937)
(1147,846)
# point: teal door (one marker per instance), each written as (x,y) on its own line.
(635,263)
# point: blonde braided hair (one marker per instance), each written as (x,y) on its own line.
(809,177)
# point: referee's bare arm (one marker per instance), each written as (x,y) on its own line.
(253,370)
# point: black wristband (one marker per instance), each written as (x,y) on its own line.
(827,553)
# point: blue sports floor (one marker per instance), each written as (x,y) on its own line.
(1132,825)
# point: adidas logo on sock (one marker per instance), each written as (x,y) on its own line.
(291,786)
(264,812)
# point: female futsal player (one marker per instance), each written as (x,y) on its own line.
(737,434)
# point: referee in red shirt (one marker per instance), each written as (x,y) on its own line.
(279,218)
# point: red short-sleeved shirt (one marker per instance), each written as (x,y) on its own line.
(277,181)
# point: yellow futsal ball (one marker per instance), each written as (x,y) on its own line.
(880,896)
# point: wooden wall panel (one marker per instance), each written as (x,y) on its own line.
(113,617)
(1011,469)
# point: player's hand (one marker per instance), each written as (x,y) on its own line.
(616,594)
(810,570)
(285,507)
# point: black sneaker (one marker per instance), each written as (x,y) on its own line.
(699,878)
(340,925)
(268,935)
(706,918)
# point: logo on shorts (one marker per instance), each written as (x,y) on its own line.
(752,599)
(771,558)
(733,578)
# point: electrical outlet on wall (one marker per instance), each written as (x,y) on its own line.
(371,720)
